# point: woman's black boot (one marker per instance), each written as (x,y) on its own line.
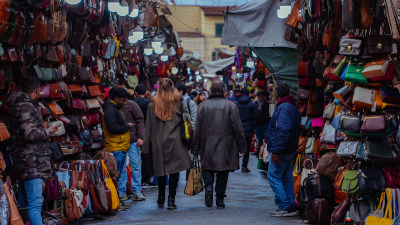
(161,201)
(171,203)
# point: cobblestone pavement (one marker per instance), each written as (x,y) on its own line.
(249,201)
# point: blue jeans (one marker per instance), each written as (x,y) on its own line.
(135,162)
(280,177)
(33,200)
(120,157)
(261,133)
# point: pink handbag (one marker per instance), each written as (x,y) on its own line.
(392,177)
(317,122)
(44,91)
(94,119)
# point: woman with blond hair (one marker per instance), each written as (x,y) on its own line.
(163,142)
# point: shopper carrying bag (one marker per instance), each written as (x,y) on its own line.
(194,183)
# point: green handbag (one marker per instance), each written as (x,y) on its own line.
(378,150)
(353,134)
(339,68)
(350,182)
(354,74)
(47,73)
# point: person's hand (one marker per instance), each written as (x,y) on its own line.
(131,125)
(53,130)
(139,143)
(45,124)
(275,158)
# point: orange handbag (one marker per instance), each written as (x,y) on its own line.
(302,144)
(75,88)
(4,134)
(94,91)
(55,109)
(378,99)
(293,18)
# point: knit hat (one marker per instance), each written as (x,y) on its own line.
(282,90)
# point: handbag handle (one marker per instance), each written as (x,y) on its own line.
(308,160)
(380,204)
(105,171)
(388,204)
(61,166)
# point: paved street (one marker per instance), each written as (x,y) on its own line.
(249,201)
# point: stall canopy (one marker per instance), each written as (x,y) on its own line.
(257,25)
(217,65)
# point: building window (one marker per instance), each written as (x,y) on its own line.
(214,56)
(218,29)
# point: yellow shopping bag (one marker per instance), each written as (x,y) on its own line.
(387,218)
(110,185)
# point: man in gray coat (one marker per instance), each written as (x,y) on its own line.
(191,105)
(219,138)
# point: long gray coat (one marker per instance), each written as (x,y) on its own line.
(218,134)
(163,142)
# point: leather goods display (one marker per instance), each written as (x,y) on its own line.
(374,124)
(319,211)
(329,164)
(375,68)
(350,123)
(318,186)
(328,134)
(392,177)
(359,211)
(378,45)
(348,148)
(350,182)
(371,180)
(350,46)
(363,98)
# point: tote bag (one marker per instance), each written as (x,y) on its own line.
(110,185)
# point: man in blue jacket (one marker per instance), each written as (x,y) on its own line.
(283,138)
(248,112)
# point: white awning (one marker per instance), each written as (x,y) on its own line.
(217,65)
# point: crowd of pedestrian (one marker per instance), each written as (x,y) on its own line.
(145,131)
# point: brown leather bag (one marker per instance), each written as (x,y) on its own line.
(19,30)
(15,217)
(4,15)
(94,90)
(100,187)
(302,144)
(78,177)
(303,69)
(75,88)
(71,208)
(329,164)
(54,217)
(337,181)
(39,27)
(293,17)
(4,134)
(366,14)
(55,109)
(324,209)
(2,162)
(96,203)
(109,160)
(92,103)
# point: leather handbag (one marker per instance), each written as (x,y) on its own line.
(293,17)
(3,164)
(350,123)
(329,164)
(303,94)
(318,186)
(378,45)
(133,81)
(15,217)
(339,214)
(83,73)
(53,189)
(55,90)
(63,174)
(75,88)
(351,14)
(60,128)
(348,148)
(4,134)
(366,14)
(371,180)
(324,209)
(101,189)
(350,46)
(377,218)
(55,109)
(374,124)
(302,144)
(4,15)
(389,75)
(79,104)
(54,217)
(71,208)
(310,147)
(343,93)
(95,201)
(306,171)
(339,68)
(78,177)
(317,122)
(94,119)
(337,181)
(339,196)
(110,185)
(359,211)
(390,94)
(375,68)
(44,91)
(94,91)
(328,134)
(350,182)
(363,98)
(354,74)
(92,103)
(329,111)
(303,69)
(392,177)
(375,151)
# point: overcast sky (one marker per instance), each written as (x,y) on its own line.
(211,2)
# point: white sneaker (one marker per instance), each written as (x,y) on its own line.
(138,197)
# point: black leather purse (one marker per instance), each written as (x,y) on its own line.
(350,123)
(318,186)
(371,180)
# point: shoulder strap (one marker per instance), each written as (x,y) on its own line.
(188,105)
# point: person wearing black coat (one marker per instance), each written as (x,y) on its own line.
(248,112)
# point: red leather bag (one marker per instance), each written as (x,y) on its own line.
(392,177)
(303,69)
(94,119)
(55,90)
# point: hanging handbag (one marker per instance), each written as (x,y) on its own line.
(378,45)
(354,74)
(388,76)
(374,124)
(363,98)
(55,109)
(324,209)
(390,94)
(44,91)
(303,69)
(302,144)
(375,68)
(54,217)
(377,151)
(343,93)
(350,123)
(337,181)
(350,182)
(359,211)
(303,94)
(387,216)
(15,217)
(318,186)
(4,134)
(63,174)
(56,153)
(351,14)
(71,208)
(94,91)
(317,122)
(93,104)
(78,177)
(371,180)
(350,46)
(305,171)
(328,134)
(329,164)
(348,148)
(339,214)
(133,81)
(95,201)
(60,128)
(52,189)
(392,177)
(75,88)
(310,147)
(101,189)
(329,111)
(110,185)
